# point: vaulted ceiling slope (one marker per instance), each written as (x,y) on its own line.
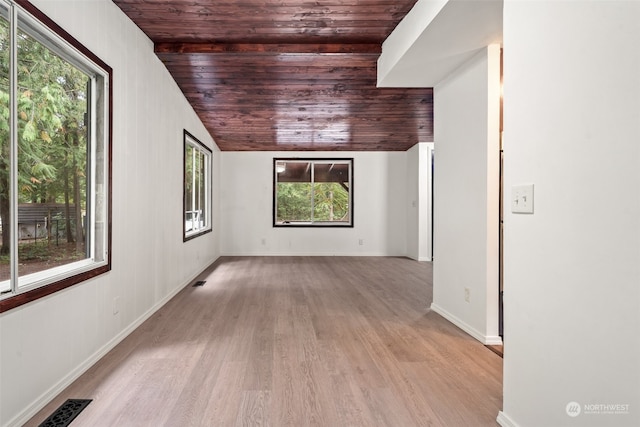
(276,75)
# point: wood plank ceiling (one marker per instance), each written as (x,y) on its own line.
(285,74)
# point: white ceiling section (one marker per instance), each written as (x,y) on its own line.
(435,38)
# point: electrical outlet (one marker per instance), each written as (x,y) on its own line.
(263,241)
(467,294)
(361,242)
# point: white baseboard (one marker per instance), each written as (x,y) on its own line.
(484,339)
(310,254)
(504,420)
(46,397)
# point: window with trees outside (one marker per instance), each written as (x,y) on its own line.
(54,158)
(313,192)
(197,189)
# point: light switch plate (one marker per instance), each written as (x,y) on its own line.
(522,199)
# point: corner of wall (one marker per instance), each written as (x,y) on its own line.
(466,196)
(469,329)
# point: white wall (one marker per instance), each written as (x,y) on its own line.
(419,201)
(413,200)
(47,343)
(572,269)
(379,208)
(466,195)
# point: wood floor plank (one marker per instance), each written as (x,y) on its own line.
(255,409)
(385,407)
(295,341)
(225,397)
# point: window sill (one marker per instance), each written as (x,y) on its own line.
(336,224)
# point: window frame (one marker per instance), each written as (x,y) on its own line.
(313,161)
(49,281)
(190,140)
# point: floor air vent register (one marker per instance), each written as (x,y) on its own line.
(66,413)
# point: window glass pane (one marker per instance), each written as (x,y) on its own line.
(294,202)
(294,192)
(330,195)
(188,175)
(5,260)
(188,187)
(197,183)
(202,190)
(331,202)
(52,159)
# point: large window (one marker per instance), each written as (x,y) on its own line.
(197,190)
(313,192)
(54,158)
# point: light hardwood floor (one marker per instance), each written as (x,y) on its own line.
(295,341)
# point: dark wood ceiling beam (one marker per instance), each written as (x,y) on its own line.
(262,70)
(310,48)
(272,68)
(301,92)
(275,59)
(321,83)
(320,118)
(337,127)
(353,133)
(232,9)
(124,4)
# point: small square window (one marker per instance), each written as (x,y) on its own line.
(313,192)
